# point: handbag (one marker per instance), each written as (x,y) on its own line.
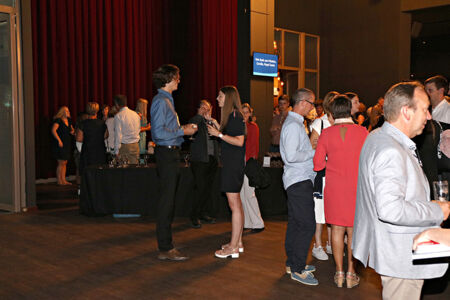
(257,176)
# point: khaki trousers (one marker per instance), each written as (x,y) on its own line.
(130,152)
(399,288)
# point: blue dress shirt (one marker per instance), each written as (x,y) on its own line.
(296,151)
(166,129)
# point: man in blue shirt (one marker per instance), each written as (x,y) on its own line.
(298,177)
(168,137)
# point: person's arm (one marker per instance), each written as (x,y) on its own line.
(55,134)
(275,127)
(390,189)
(233,140)
(146,127)
(438,235)
(79,135)
(360,119)
(160,131)
(106,133)
(314,138)
(320,156)
(292,140)
(215,123)
(117,134)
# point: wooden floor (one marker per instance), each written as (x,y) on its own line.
(56,253)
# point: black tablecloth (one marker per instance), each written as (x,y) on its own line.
(134,190)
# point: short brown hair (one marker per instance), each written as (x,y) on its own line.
(399,95)
(164,75)
(120,100)
(439,81)
(340,107)
(300,95)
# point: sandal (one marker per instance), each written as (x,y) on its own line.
(352,280)
(241,247)
(227,252)
(339,278)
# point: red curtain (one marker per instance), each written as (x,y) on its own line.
(90,50)
(213,51)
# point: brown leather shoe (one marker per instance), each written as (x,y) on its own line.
(173,254)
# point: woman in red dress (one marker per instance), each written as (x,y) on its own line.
(252,215)
(338,149)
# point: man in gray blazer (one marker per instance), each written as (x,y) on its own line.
(393,202)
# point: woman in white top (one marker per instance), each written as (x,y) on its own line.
(316,129)
(109,142)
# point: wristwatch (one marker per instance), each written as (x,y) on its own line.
(220,135)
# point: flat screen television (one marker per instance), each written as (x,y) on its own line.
(265,64)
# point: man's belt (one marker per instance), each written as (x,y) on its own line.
(168,147)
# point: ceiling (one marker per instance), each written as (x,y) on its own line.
(434,21)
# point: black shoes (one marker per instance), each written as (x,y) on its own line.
(257,230)
(195,223)
(208,220)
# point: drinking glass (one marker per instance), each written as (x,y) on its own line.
(440,190)
(186,160)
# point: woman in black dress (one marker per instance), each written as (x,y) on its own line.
(62,130)
(92,133)
(232,133)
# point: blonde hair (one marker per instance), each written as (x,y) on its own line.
(61,112)
(92,108)
(326,101)
(141,107)
(232,102)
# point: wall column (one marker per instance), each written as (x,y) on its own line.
(261,88)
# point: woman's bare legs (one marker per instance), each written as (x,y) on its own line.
(337,244)
(329,233)
(61,172)
(351,266)
(237,219)
(318,235)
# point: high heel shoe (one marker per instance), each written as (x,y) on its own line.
(227,252)
(339,278)
(352,280)
(240,248)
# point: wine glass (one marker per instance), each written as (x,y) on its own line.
(186,160)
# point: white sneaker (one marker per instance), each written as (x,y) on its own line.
(318,253)
(329,250)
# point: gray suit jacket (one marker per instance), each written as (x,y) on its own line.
(392,206)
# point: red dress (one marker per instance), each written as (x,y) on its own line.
(340,156)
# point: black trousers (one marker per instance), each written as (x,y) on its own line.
(301,224)
(168,168)
(204,174)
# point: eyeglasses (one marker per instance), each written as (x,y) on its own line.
(312,103)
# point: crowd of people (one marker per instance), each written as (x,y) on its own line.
(369,189)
